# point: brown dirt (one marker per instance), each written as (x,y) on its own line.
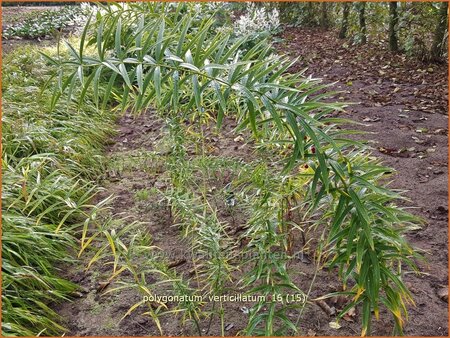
(94,313)
(403,105)
(130,171)
(413,116)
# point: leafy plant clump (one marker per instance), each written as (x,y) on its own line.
(162,56)
(46,23)
(49,161)
(257,21)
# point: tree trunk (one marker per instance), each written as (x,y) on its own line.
(310,15)
(344,26)
(437,49)
(324,16)
(362,22)
(393,24)
(283,8)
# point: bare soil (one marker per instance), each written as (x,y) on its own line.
(402,103)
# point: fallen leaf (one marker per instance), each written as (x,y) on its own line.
(440,131)
(311,333)
(229,326)
(352,312)
(334,325)
(443,294)
(370,119)
(349,316)
(77,294)
(418,140)
(102,286)
(330,311)
(245,310)
(176,263)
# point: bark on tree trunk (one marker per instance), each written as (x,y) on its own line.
(437,49)
(310,17)
(393,24)
(362,22)
(344,26)
(324,16)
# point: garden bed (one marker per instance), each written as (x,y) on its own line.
(35,25)
(230,174)
(132,176)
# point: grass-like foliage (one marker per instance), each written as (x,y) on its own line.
(49,161)
(158,55)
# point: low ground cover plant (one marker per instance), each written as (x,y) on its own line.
(46,24)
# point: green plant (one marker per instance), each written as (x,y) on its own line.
(157,55)
(142,195)
(49,158)
(42,24)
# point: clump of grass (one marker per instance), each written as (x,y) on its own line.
(49,158)
(142,195)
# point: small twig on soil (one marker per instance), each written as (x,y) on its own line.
(239,229)
(102,286)
(176,263)
(330,311)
